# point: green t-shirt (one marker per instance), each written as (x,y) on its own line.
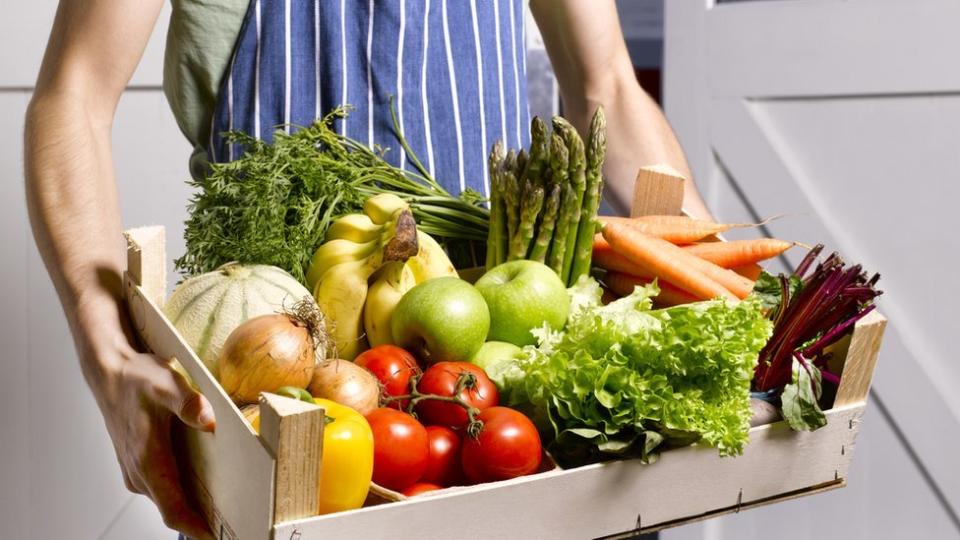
(200,41)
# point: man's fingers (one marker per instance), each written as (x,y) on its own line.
(159,473)
(173,391)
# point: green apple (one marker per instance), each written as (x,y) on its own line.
(495,358)
(494,353)
(441,319)
(522,295)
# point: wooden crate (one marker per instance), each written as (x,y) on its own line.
(252,487)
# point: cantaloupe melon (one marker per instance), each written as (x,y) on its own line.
(206,308)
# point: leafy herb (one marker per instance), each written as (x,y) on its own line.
(273,205)
(624,378)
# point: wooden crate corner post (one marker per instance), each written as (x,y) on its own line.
(146,261)
(658,190)
(861,359)
(293,431)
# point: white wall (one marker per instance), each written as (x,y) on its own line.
(58,474)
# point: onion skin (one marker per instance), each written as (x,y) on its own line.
(346,383)
(265,353)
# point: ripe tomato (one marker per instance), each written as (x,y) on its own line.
(400,448)
(393,367)
(441,379)
(420,487)
(508,446)
(443,466)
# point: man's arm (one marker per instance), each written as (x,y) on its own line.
(590,58)
(94,47)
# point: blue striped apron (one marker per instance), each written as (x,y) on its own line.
(455,67)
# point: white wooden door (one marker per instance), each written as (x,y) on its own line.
(844,114)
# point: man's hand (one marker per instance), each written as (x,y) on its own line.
(94,47)
(139,399)
(593,67)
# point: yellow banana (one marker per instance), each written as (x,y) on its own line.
(431,260)
(381,208)
(341,293)
(341,290)
(393,280)
(334,252)
(354,227)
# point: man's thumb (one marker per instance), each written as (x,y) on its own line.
(188,404)
(197,412)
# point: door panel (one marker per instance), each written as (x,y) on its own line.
(844,115)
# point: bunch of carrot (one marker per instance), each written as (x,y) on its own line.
(635,251)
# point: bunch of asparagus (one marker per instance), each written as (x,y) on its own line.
(543,203)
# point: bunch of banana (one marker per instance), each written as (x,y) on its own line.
(367,263)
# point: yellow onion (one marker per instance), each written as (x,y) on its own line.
(271,351)
(346,383)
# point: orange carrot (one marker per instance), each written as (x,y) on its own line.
(739,252)
(749,271)
(599,244)
(676,229)
(670,295)
(605,257)
(664,259)
(740,286)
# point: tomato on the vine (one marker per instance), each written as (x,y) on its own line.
(400,448)
(393,367)
(441,379)
(508,446)
(443,466)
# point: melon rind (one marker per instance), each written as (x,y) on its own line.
(205,309)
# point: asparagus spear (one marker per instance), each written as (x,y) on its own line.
(521,165)
(571,206)
(530,206)
(538,160)
(561,229)
(497,210)
(508,192)
(596,151)
(559,160)
(538,252)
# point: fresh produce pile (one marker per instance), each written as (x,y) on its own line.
(809,312)
(319,272)
(543,202)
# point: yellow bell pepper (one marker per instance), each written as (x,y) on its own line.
(347,465)
(346,468)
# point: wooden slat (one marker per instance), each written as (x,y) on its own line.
(736,509)
(861,360)
(293,430)
(146,261)
(658,190)
(609,498)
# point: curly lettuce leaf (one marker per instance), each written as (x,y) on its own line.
(624,378)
